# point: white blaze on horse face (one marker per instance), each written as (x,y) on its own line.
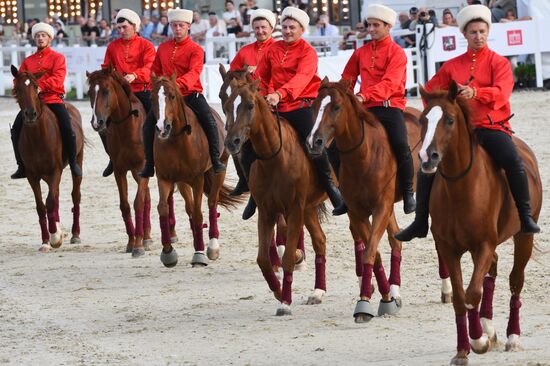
(433,117)
(162,108)
(236,104)
(324,102)
(27,82)
(94,119)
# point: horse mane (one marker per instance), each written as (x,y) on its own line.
(362,113)
(102,74)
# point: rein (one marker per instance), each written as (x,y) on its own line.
(280,139)
(469,167)
(360,142)
(132,112)
(186,126)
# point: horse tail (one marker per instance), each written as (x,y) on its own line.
(225,200)
(322,212)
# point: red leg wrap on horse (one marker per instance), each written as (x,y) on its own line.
(443,271)
(462,341)
(381,279)
(76,220)
(52,222)
(139,223)
(44,228)
(273,255)
(474,324)
(487,299)
(395,269)
(213,231)
(130,230)
(301,243)
(513,320)
(280,239)
(287,287)
(366,286)
(171,212)
(147,214)
(359,249)
(320,272)
(271,279)
(165,230)
(198,241)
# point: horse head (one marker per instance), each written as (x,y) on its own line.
(333,110)
(167,105)
(108,89)
(225,90)
(444,124)
(246,102)
(26,92)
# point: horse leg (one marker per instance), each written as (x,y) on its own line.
(319,241)
(300,264)
(266,222)
(486,309)
(446,288)
(75,195)
(168,255)
(280,238)
(523,247)
(274,258)
(139,208)
(147,240)
(199,259)
(52,205)
(395,261)
(41,211)
(172,217)
(122,185)
(359,248)
(213,249)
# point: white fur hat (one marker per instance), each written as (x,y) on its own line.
(472,12)
(180,15)
(299,15)
(381,12)
(42,27)
(263,13)
(129,15)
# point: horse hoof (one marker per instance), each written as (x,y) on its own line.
(316,298)
(480,345)
(388,307)
(56,239)
(283,310)
(513,344)
(173,240)
(138,252)
(147,244)
(45,248)
(363,312)
(489,329)
(394,292)
(447,298)
(199,260)
(129,248)
(213,249)
(169,259)
(301,264)
(460,360)
(75,240)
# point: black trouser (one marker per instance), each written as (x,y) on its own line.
(502,150)
(394,124)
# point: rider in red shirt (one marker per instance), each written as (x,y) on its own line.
(132,56)
(382,65)
(50,92)
(485,80)
(184,57)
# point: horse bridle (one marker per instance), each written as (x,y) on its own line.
(280,138)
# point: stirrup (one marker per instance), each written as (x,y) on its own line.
(109,170)
(19,173)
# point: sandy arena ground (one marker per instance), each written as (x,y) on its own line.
(92,304)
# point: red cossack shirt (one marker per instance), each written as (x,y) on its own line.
(250,54)
(382,66)
(291,70)
(491,75)
(51,84)
(186,59)
(133,56)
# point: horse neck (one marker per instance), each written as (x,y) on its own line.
(355,132)
(123,103)
(264,133)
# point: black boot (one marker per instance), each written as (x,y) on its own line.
(323,170)
(71,151)
(334,159)
(519,186)
(250,208)
(248,156)
(419,227)
(405,175)
(242,185)
(148,139)
(15,133)
(68,136)
(109,170)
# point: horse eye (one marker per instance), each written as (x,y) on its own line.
(336,108)
(250,106)
(172,97)
(450,120)
(105,92)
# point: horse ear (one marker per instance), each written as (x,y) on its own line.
(223,73)
(256,83)
(423,93)
(14,71)
(245,68)
(345,83)
(453,91)
(87,74)
(325,81)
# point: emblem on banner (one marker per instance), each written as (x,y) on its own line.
(449,43)
(515,37)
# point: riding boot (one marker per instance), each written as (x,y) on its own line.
(323,170)
(519,186)
(248,156)
(67,135)
(148,139)
(109,170)
(334,159)
(405,175)
(242,185)
(419,227)
(15,133)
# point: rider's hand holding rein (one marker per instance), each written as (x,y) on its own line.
(466,91)
(273,99)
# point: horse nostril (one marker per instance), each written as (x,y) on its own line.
(237,141)
(434,156)
(318,143)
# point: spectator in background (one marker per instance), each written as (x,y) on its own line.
(60,36)
(216,27)
(410,40)
(500,7)
(198,28)
(104,33)
(233,27)
(31,23)
(424,17)
(250,6)
(404,21)
(448,20)
(242,13)
(360,32)
(91,32)
(230,13)
(324,28)
(162,32)
(147,28)
(277,34)
(511,17)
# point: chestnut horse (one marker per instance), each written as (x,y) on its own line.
(368,183)
(283,181)
(119,114)
(181,157)
(473,211)
(40,145)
